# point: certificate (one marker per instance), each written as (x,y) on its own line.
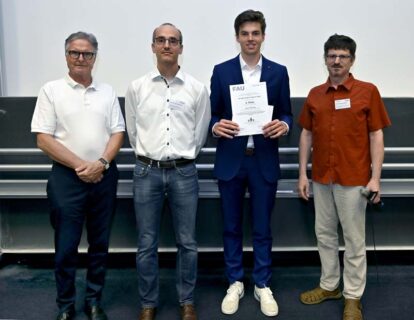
(250,107)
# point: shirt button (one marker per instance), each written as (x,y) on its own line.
(168,143)
(168,100)
(168,129)
(168,114)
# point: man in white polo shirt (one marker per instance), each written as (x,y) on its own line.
(79,125)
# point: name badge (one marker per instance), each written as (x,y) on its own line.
(176,104)
(342,104)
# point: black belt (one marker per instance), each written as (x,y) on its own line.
(249,151)
(167,164)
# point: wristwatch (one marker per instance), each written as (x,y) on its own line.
(104,162)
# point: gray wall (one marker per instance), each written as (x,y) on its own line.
(24,212)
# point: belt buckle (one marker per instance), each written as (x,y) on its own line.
(151,162)
(170,164)
(249,151)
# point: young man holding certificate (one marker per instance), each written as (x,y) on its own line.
(247,153)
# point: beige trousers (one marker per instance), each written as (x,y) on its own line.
(336,204)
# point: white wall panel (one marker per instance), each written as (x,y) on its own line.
(33,33)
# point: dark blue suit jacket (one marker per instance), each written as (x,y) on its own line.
(230,152)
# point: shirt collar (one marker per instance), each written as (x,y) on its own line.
(244,65)
(156,75)
(347,84)
(75,84)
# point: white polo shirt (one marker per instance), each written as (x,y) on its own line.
(82,119)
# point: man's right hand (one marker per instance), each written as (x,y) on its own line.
(226,128)
(303,187)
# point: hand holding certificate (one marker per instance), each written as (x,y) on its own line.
(250,107)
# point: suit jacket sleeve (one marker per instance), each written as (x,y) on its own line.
(284,112)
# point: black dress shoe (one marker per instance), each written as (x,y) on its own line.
(67,315)
(95,313)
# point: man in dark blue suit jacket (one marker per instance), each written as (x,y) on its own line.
(250,162)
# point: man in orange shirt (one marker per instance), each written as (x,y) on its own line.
(342,120)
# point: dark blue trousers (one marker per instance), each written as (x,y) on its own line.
(262,199)
(74,202)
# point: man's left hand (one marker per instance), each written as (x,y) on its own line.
(275,129)
(374,185)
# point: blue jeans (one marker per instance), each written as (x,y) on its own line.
(151,186)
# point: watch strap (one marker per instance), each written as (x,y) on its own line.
(104,162)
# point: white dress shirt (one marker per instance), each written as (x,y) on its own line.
(251,75)
(82,119)
(167,120)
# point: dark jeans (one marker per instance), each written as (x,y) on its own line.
(72,203)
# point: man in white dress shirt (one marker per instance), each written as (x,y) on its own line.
(167,114)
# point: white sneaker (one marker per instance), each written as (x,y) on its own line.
(268,304)
(230,302)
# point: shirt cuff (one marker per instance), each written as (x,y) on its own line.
(287,126)
(212,131)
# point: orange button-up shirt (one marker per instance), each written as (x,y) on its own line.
(340,136)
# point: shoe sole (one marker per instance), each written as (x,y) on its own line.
(273,314)
(233,312)
(336,297)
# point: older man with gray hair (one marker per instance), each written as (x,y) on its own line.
(79,125)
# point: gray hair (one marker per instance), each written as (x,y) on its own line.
(82,35)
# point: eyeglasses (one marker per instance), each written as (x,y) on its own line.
(173,42)
(76,54)
(342,57)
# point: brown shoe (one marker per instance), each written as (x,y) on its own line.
(188,312)
(147,314)
(319,295)
(352,309)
